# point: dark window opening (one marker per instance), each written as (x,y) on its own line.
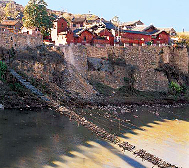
(74,25)
(84,38)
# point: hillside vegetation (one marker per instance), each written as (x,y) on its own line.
(185,37)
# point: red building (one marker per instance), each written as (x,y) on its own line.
(60,26)
(82,36)
(105,33)
(109,38)
(12,25)
(151,35)
(160,37)
(157,36)
(134,37)
(85,37)
(88,36)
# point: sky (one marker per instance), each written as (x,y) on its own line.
(160,13)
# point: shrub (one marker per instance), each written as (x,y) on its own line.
(3,69)
(175,88)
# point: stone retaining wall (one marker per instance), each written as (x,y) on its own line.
(19,41)
(139,60)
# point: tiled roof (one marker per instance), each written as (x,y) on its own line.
(78,20)
(1,26)
(158,32)
(136,32)
(60,18)
(154,32)
(76,32)
(148,27)
(130,23)
(9,22)
(99,30)
(109,25)
(139,28)
(143,28)
(167,29)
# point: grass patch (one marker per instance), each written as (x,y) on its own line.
(103,89)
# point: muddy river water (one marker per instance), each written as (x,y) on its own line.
(46,139)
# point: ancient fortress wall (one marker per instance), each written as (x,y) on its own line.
(112,64)
(19,41)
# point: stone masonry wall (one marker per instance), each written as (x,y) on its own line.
(177,57)
(19,41)
(141,60)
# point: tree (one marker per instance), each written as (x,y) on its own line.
(36,15)
(10,11)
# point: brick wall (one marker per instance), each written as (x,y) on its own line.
(19,41)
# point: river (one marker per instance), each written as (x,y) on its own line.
(46,139)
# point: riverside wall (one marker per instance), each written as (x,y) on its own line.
(109,65)
(18,40)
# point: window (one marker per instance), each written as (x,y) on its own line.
(84,38)
(74,25)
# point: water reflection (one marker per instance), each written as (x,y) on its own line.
(47,139)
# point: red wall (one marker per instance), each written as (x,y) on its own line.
(70,37)
(107,33)
(101,41)
(134,38)
(59,25)
(162,38)
(89,37)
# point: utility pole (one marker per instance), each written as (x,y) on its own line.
(116,20)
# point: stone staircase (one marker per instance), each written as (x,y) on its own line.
(28,85)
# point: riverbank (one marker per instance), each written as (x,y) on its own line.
(51,73)
(18,98)
(24,99)
(120,97)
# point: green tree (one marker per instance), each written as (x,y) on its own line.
(36,15)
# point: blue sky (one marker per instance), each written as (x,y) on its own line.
(160,13)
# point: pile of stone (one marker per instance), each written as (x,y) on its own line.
(153,159)
(126,146)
